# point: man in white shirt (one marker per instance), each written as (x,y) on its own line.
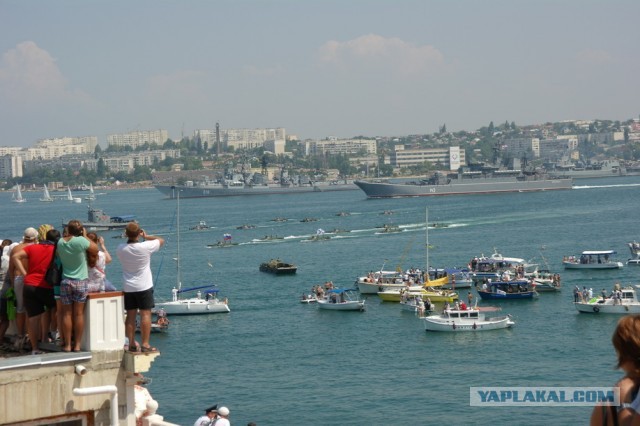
(137,283)
(209,417)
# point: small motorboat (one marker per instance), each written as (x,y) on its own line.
(622,301)
(200,226)
(592,259)
(469,319)
(338,299)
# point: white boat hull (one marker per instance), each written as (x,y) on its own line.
(607,265)
(352,305)
(608,308)
(437,323)
(193,306)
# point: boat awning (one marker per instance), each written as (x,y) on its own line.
(122,219)
(598,252)
(341,290)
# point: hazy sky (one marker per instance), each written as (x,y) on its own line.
(318,68)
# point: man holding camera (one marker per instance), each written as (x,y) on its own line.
(137,283)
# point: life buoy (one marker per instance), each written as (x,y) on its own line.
(596,309)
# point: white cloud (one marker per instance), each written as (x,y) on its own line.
(30,76)
(375,50)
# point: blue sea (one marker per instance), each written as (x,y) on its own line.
(274,360)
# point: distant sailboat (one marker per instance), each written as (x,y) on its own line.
(46,197)
(17,196)
(71,198)
(92,195)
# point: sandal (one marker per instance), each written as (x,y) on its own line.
(148,349)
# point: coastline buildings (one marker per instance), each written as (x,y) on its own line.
(138,138)
(450,158)
(272,139)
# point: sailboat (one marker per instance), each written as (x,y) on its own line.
(195,303)
(92,195)
(71,198)
(17,196)
(46,197)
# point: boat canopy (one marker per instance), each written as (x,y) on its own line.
(122,219)
(341,290)
(509,283)
(598,252)
(208,287)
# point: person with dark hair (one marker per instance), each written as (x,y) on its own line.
(73,251)
(97,273)
(38,294)
(137,283)
(626,341)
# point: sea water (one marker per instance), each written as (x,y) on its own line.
(274,360)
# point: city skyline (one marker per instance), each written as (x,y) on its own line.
(318,69)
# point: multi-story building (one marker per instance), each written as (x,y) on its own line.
(450,158)
(336,146)
(10,166)
(241,138)
(138,138)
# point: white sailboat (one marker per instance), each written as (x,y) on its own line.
(46,197)
(17,196)
(92,195)
(71,198)
(195,303)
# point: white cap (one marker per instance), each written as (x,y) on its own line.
(223,411)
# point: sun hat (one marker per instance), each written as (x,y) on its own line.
(223,411)
(30,234)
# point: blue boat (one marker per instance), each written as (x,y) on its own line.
(507,290)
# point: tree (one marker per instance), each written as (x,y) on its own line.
(101,168)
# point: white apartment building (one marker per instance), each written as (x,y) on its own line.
(450,158)
(138,138)
(336,146)
(126,162)
(10,166)
(241,138)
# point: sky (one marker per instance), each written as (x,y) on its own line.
(339,68)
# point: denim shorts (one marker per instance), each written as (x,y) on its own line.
(73,291)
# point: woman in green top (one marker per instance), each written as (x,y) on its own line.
(75,251)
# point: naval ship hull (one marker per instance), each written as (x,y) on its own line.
(473,186)
(202,191)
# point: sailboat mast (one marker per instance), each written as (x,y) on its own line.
(427,233)
(178,240)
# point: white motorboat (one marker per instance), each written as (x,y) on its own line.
(17,195)
(416,305)
(622,301)
(382,280)
(471,319)
(308,298)
(592,259)
(496,267)
(196,304)
(339,299)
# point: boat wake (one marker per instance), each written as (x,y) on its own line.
(622,185)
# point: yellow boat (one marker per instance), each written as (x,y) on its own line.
(426,292)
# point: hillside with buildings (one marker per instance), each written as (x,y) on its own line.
(143,155)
